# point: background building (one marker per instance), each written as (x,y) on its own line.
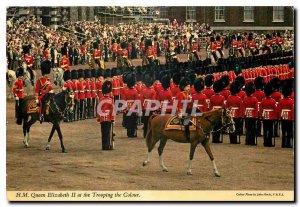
(219,17)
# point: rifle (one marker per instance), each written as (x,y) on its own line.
(112,140)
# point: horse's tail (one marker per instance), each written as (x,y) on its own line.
(149,131)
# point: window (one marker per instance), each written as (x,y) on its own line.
(248,14)
(219,14)
(190,13)
(278,13)
(163,13)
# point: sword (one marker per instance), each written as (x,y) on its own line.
(112,140)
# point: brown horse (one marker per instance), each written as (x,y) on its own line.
(204,124)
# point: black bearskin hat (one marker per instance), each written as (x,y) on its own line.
(176,78)
(165,82)
(114,72)
(20,72)
(268,89)
(218,86)
(107,73)
(80,73)
(286,90)
(130,79)
(183,83)
(199,84)
(123,45)
(278,34)
(259,83)
(46,67)
(225,80)
(66,44)
(107,87)
(239,38)
(67,75)
(100,72)
(148,43)
(241,81)
(233,37)
(93,73)
(74,74)
(148,80)
(268,36)
(209,80)
(212,39)
(95,45)
(63,51)
(250,38)
(276,82)
(26,49)
(87,73)
(235,88)
(218,38)
(249,88)
(192,77)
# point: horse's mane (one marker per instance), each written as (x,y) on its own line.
(209,113)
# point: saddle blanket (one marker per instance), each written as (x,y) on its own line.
(32,107)
(174,123)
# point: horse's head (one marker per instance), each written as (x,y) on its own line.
(227,121)
(24,66)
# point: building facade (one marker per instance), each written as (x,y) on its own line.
(219,17)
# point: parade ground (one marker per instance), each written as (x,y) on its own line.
(87,167)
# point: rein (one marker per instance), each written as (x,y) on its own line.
(57,107)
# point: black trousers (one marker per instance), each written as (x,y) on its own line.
(258,127)
(145,120)
(88,108)
(268,132)
(250,131)
(75,111)
(18,111)
(276,129)
(233,136)
(131,125)
(93,104)
(81,109)
(106,135)
(287,129)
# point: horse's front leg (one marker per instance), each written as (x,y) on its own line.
(57,126)
(25,142)
(192,152)
(50,137)
(162,144)
(208,151)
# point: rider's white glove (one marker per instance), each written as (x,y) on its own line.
(180,115)
(113,123)
(16,98)
(37,100)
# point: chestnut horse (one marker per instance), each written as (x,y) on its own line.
(204,125)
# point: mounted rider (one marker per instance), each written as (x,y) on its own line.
(44,90)
(64,62)
(29,62)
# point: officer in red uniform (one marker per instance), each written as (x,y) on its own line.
(47,54)
(260,95)
(236,104)
(114,49)
(130,96)
(217,101)
(81,94)
(149,51)
(219,44)
(142,46)
(97,54)
(88,95)
(18,91)
(106,116)
(251,45)
(165,95)
(147,95)
(213,47)
(195,49)
(240,45)
(234,43)
(208,90)
(199,98)
(250,111)
(68,85)
(99,83)
(83,52)
(286,111)
(93,92)
(74,76)
(268,114)
(64,61)
(29,62)
(44,89)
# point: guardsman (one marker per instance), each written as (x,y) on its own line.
(234,43)
(286,111)
(217,101)
(225,81)
(240,46)
(83,52)
(74,76)
(116,84)
(29,62)
(142,46)
(236,104)
(167,45)
(268,114)
(44,90)
(184,105)
(96,54)
(165,95)
(18,91)
(88,96)
(276,95)
(219,44)
(208,90)
(199,98)
(149,51)
(250,112)
(241,81)
(47,54)
(175,85)
(93,92)
(99,83)
(64,62)
(131,96)
(147,95)
(260,95)
(106,116)
(68,85)
(251,45)
(114,49)
(81,94)
(195,49)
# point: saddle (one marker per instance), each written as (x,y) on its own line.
(174,122)
(32,107)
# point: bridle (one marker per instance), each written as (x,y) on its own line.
(223,124)
(69,97)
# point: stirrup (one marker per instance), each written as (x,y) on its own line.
(42,118)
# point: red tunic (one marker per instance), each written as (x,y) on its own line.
(147,95)
(18,88)
(236,104)
(268,109)
(96,53)
(105,109)
(47,54)
(165,96)
(74,86)
(250,108)
(217,101)
(131,95)
(286,109)
(99,88)
(93,89)
(81,92)
(43,86)
(201,98)
(68,85)
(114,48)
(182,98)
(29,60)
(65,63)
(87,85)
